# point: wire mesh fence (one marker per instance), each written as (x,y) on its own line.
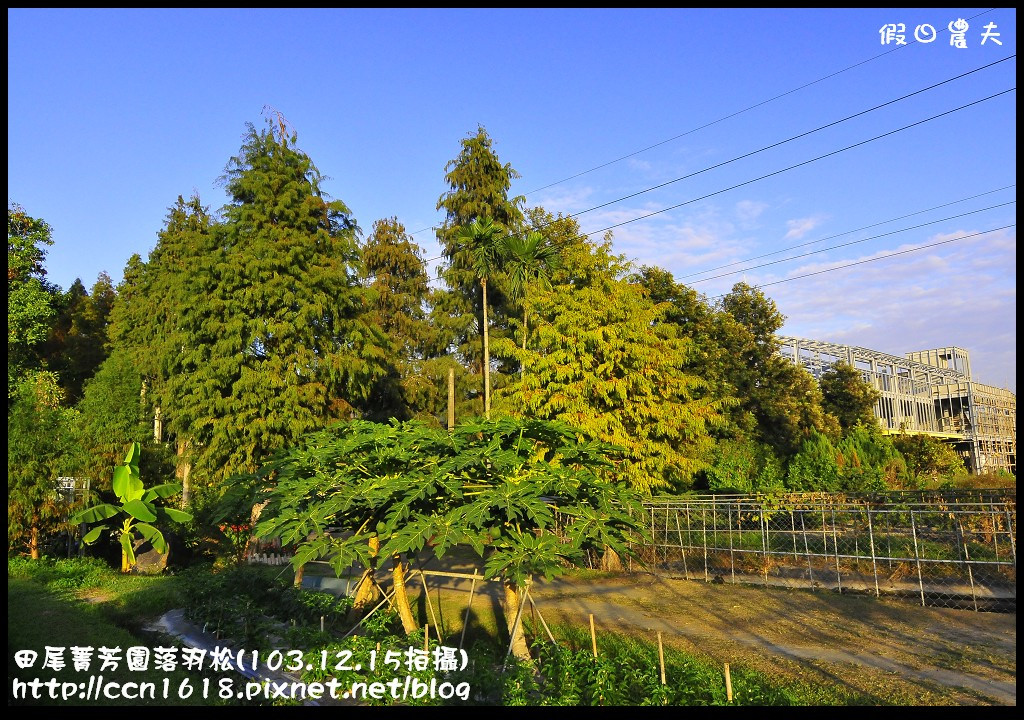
(945,551)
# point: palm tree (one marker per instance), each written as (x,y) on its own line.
(528,260)
(483,238)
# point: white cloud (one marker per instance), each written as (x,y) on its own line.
(961,294)
(801,226)
(749,210)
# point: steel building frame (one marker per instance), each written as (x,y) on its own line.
(929,392)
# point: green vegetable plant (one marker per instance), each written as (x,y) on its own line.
(136,512)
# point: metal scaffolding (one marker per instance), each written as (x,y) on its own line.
(928,392)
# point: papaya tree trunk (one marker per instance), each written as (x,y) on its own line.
(299,575)
(401,596)
(518,638)
(366,591)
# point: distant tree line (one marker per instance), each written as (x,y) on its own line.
(248,327)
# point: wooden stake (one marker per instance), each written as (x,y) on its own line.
(593,634)
(728,683)
(661,658)
(321,623)
(426,636)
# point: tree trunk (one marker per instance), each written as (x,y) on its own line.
(526,310)
(487,356)
(299,575)
(182,469)
(518,639)
(366,591)
(401,596)
(33,542)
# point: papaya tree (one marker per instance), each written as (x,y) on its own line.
(526,495)
(136,512)
(363,481)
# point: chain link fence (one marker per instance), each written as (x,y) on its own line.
(947,550)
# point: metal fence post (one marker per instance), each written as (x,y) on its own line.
(682,549)
(835,549)
(732,556)
(917,556)
(871,539)
(807,551)
(704,534)
(792,525)
(764,541)
(1010,532)
(967,560)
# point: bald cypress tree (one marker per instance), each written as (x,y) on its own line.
(251,329)
(286,345)
(393,270)
(479,187)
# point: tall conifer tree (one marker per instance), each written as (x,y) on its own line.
(392,268)
(479,187)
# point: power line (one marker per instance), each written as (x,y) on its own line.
(726,117)
(787,169)
(738,112)
(789,139)
(805,162)
(848,232)
(769,147)
(852,242)
(882,257)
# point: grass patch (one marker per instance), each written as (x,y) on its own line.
(37,618)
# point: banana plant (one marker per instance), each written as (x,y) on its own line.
(136,512)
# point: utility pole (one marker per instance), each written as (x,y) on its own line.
(451,399)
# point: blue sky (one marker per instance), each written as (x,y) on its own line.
(112,114)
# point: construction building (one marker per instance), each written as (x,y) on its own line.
(930,392)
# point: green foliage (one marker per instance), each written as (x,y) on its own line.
(627,672)
(253,604)
(498,487)
(42,445)
(77,342)
(137,510)
(478,188)
(111,416)
(602,361)
(928,458)
(848,396)
(868,461)
(30,298)
(392,268)
(743,466)
(783,400)
(814,467)
(528,261)
(252,330)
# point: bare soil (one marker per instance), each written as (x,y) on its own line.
(890,650)
(887,649)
